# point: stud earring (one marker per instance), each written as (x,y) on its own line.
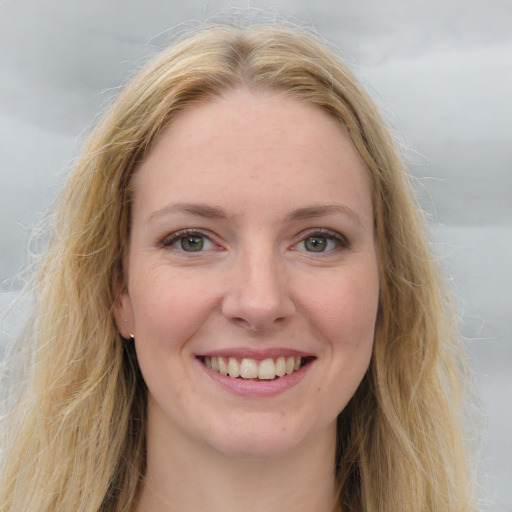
(132,336)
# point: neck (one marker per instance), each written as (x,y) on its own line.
(183,476)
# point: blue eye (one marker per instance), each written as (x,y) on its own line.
(188,241)
(324,241)
(316,244)
(192,243)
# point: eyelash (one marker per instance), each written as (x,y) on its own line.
(172,238)
(327,234)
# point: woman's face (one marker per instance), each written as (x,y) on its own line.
(252,252)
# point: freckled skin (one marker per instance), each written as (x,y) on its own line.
(258,157)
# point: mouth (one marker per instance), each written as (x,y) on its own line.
(252,369)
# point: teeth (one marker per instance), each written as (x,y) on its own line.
(223,367)
(267,370)
(247,368)
(233,368)
(281,367)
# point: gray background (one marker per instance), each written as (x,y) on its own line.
(440,70)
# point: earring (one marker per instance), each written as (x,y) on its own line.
(132,336)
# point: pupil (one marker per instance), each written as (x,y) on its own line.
(316,244)
(192,243)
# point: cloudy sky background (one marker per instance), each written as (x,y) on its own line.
(441,71)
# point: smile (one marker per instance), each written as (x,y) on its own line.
(248,368)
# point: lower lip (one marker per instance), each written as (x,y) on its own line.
(258,388)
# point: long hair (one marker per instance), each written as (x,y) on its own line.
(77,439)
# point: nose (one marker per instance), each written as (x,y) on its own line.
(258,296)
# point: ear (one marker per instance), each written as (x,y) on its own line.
(123,313)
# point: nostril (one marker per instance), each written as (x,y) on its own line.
(241,322)
(258,323)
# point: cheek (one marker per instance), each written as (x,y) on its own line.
(346,316)
(167,308)
(346,307)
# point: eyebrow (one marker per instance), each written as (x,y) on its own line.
(315,211)
(197,210)
(213,212)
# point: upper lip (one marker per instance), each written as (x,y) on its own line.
(253,353)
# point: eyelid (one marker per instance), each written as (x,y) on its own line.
(171,238)
(323,232)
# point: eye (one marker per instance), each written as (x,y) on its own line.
(192,243)
(188,241)
(323,240)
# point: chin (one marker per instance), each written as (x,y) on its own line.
(261,439)
(253,448)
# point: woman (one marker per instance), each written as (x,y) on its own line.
(237,308)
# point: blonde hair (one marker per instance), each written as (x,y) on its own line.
(78,433)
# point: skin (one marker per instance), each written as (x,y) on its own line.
(273,171)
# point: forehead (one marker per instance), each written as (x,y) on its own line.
(266,117)
(254,146)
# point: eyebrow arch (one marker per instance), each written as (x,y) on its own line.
(315,211)
(198,210)
(213,212)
